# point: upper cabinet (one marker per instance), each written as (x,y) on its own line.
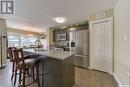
(62,33)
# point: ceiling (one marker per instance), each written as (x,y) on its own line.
(37,15)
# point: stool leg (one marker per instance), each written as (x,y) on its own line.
(15,78)
(24,72)
(28,72)
(20,73)
(37,70)
(13,66)
(33,73)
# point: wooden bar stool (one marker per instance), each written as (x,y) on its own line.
(11,60)
(22,65)
(10,54)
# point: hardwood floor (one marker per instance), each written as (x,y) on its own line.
(93,78)
(84,78)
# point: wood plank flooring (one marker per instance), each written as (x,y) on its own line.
(84,78)
(93,78)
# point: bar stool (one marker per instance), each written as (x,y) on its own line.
(10,54)
(22,65)
(9,50)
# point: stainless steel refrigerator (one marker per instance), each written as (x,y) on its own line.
(79,44)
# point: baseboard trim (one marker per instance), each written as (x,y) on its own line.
(4,65)
(90,67)
(80,67)
(118,81)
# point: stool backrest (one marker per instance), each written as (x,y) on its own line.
(10,53)
(18,57)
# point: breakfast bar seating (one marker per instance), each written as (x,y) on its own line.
(23,66)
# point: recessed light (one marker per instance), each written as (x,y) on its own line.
(60,19)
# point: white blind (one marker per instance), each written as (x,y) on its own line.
(20,39)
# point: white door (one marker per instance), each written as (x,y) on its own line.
(101,45)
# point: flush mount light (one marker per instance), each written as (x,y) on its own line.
(60,19)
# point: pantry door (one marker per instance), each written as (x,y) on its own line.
(101,45)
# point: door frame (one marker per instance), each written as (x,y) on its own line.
(111,48)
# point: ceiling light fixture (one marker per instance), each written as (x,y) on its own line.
(60,19)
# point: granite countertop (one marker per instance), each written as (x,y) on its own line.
(60,55)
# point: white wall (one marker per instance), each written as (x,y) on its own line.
(3,31)
(121,46)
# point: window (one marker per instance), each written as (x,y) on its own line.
(20,40)
(13,40)
(27,41)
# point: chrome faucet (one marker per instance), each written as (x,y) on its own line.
(38,44)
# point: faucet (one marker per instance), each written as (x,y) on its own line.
(38,44)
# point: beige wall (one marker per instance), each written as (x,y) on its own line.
(21,31)
(3,33)
(121,46)
(108,13)
(50,36)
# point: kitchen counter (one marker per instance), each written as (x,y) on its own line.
(61,55)
(66,48)
(57,68)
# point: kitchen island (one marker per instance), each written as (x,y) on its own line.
(56,68)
